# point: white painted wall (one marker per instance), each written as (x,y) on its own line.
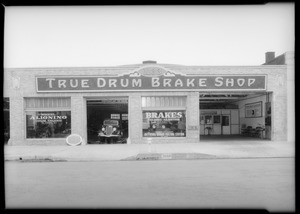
(254,122)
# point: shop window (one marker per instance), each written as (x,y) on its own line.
(217,119)
(159,120)
(164,123)
(48,117)
(225,121)
(208,119)
(48,124)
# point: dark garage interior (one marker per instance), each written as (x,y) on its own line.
(101,109)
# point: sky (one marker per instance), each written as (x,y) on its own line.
(91,36)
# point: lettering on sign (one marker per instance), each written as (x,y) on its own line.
(164,123)
(48,117)
(164,115)
(161,80)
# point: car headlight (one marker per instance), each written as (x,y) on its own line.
(103,129)
(114,129)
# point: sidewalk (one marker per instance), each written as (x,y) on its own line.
(108,152)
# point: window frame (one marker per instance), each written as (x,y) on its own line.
(32,109)
(165,108)
(42,110)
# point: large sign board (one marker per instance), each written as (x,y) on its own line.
(157,80)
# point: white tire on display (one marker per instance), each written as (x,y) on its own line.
(74,140)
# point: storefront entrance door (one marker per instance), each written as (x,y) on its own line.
(225,124)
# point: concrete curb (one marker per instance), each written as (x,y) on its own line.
(169,156)
(187,151)
(138,157)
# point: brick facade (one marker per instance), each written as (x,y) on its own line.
(20,83)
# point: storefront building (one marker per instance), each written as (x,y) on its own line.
(167,103)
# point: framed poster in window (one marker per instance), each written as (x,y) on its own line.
(164,123)
(253,110)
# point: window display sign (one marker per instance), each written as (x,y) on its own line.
(164,123)
(115,116)
(56,124)
(253,110)
(124,116)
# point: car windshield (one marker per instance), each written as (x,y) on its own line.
(111,122)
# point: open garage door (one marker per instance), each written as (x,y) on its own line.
(107,120)
(235,116)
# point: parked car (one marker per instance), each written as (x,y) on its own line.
(111,131)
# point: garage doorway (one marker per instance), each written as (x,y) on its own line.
(235,116)
(107,120)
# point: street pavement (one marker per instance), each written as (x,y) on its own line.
(109,152)
(252,183)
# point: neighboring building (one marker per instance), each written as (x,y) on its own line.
(164,102)
(272,60)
